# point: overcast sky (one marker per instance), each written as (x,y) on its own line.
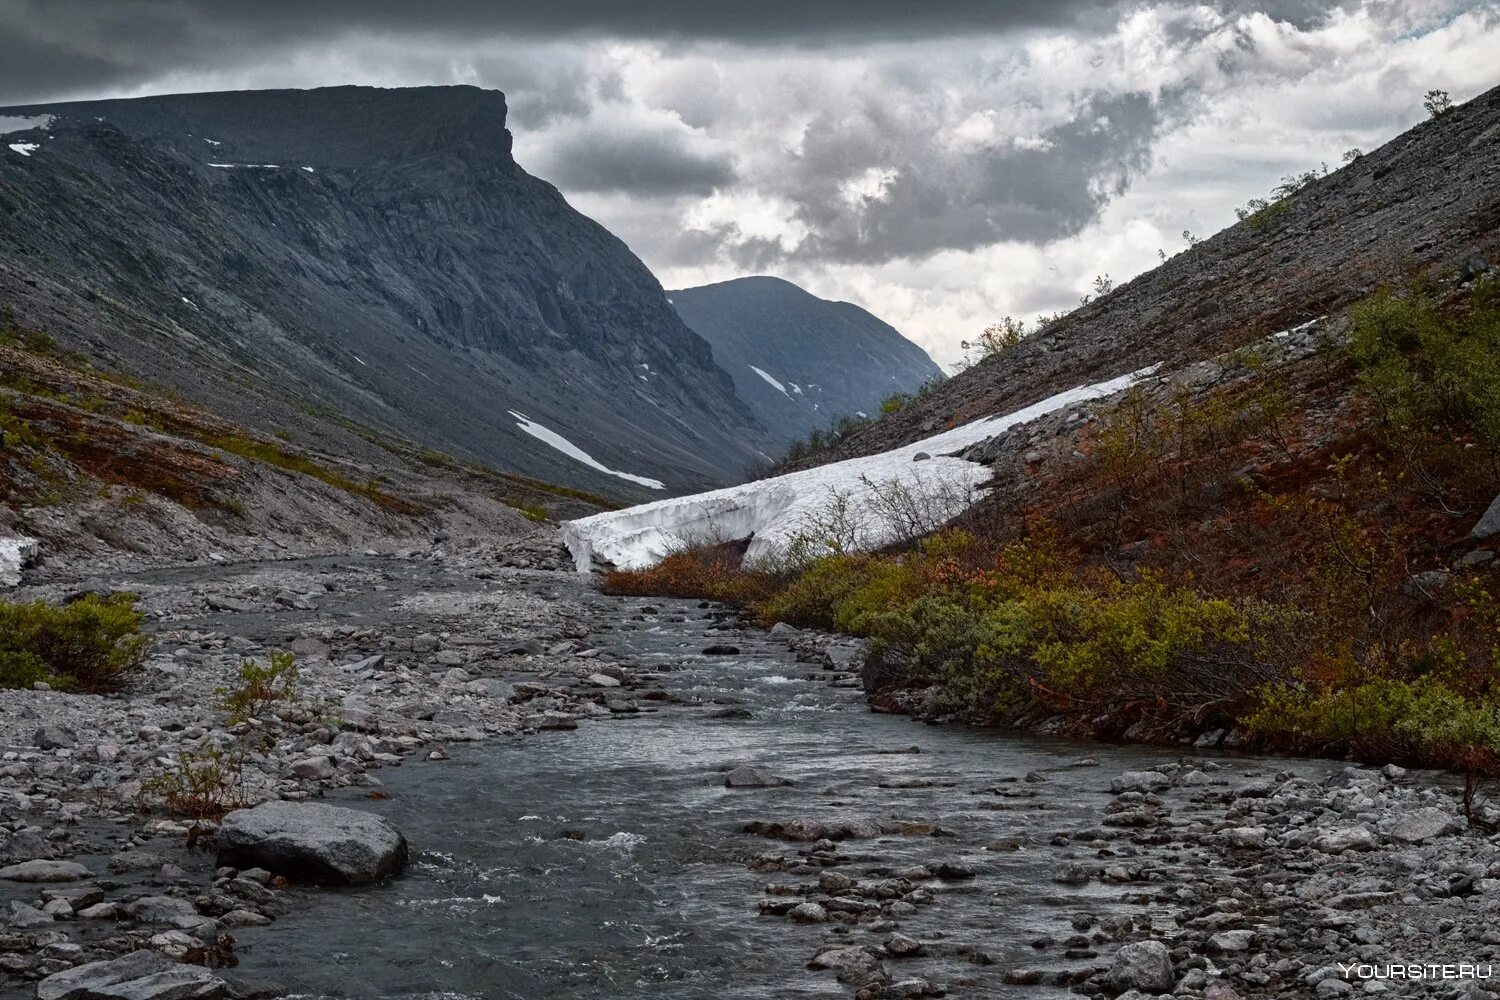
(941,163)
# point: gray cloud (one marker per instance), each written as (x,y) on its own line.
(633,161)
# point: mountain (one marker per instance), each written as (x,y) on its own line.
(318,262)
(802,362)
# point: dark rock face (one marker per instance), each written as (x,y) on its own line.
(1426,198)
(367,255)
(312,842)
(832,359)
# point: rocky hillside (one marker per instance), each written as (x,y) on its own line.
(802,362)
(297,259)
(1428,198)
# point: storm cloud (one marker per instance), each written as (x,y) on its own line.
(941,163)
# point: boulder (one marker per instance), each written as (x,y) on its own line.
(139,975)
(1424,824)
(1228,942)
(1489,525)
(54,738)
(44,871)
(1142,965)
(312,842)
(1351,838)
(1140,781)
(753,777)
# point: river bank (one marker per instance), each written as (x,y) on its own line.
(741,827)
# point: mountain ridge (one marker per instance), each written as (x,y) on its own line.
(802,362)
(419,285)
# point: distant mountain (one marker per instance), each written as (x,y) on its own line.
(801,362)
(312,262)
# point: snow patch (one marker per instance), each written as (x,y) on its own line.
(246,166)
(23,123)
(550,437)
(774,384)
(15,555)
(309,170)
(772,512)
(24,148)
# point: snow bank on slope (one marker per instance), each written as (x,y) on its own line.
(772,512)
(15,554)
(550,437)
(24,148)
(771,379)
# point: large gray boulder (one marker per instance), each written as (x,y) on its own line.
(1142,965)
(312,842)
(140,975)
(15,555)
(43,870)
(1489,525)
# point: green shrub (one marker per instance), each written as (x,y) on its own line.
(88,645)
(261,688)
(1428,367)
(1425,713)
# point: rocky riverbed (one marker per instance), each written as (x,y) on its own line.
(610,797)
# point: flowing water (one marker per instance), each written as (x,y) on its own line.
(657,898)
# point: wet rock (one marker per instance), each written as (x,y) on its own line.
(312,842)
(44,871)
(139,975)
(753,777)
(808,913)
(603,681)
(24,916)
(902,946)
(1140,781)
(161,909)
(721,649)
(1142,965)
(314,768)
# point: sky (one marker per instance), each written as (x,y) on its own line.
(942,164)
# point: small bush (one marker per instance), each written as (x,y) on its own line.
(200,785)
(1437,103)
(89,645)
(261,688)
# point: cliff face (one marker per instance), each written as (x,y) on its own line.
(802,362)
(301,260)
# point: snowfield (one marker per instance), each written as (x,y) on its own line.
(550,437)
(15,553)
(771,513)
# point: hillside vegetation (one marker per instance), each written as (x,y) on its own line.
(1284,552)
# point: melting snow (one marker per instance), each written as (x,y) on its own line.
(771,512)
(213,142)
(550,437)
(24,148)
(15,553)
(775,384)
(256,166)
(309,169)
(23,123)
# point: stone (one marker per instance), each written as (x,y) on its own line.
(312,842)
(1424,824)
(753,777)
(1142,965)
(603,681)
(902,946)
(44,871)
(1247,836)
(54,738)
(27,917)
(721,649)
(921,456)
(808,913)
(1227,942)
(1352,838)
(161,909)
(314,768)
(139,975)
(1488,526)
(1140,781)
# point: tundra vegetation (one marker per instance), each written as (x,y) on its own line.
(1286,551)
